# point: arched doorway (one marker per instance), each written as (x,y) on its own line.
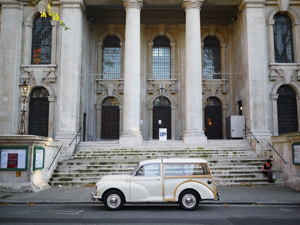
(213,118)
(110,118)
(161,116)
(287,110)
(39,112)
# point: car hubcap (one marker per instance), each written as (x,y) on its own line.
(113,200)
(189,200)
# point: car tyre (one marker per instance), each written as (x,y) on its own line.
(114,200)
(189,200)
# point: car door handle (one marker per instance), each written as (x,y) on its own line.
(157,179)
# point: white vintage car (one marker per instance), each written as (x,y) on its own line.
(186,181)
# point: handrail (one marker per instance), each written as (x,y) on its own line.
(277,153)
(75,136)
(247,128)
(54,157)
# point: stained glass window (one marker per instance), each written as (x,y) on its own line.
(111,62)
(41,41)
(211,58)
(161,54)
(283,39)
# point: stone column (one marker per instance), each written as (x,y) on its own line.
(70,70)
(53,44)
(223,60)
(27,45)
(173,60)
(274,98)
(10,61)
(271,40)
(150,61)
(122,45)
(131,135)
(255,64)
(193,133)
(100,56)
(296,37)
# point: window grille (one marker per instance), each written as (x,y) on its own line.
(39,93)
(283,39)
(286,90)
(212,101)
(162,101)
(211,59)
(161,54)
(111,61)
(41,41)
(111,101)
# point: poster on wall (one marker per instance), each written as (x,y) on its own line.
(296,153)
(39,156)
(13,158)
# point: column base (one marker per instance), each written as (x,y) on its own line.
(264,138)
(131,138)
(195,138)
(65,140)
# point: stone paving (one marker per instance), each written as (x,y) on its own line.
(229,195)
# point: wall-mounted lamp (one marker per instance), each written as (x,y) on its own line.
(89,17)
(24,90)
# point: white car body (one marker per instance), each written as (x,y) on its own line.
(159,180)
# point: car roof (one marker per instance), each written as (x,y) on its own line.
(174,160)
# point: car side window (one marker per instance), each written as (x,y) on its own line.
(149,170)
(185,169)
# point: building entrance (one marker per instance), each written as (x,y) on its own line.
(110,119)
(161,116)
(39,112)
(213,118)
(287,110)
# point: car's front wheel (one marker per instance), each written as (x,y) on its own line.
(189,200)
(113,200)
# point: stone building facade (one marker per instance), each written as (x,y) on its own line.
(128,67)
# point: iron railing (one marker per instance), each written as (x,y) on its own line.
(251,134)
(54,157)
(277,153)
(75,138)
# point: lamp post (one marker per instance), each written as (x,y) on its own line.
(25,90)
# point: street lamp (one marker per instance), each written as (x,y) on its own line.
(25,90)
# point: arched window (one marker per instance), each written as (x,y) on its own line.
(110,101)
(161,54)
(283,39)
(111,62)
(41,41)
(162,101)
(211,58)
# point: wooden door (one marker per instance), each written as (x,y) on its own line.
(162,113)
(110,122)
(213,122)
(38,116)
(287,114)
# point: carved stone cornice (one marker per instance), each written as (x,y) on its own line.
(133,4)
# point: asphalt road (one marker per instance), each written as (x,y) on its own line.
(149,214)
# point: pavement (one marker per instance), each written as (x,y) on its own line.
(268,195)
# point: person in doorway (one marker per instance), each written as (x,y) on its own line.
(267,169)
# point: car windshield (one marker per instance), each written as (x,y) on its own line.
(135,168)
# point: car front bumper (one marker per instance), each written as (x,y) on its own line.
(95,197)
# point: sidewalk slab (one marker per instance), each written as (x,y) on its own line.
(229,195)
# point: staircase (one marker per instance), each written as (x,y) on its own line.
(232,162)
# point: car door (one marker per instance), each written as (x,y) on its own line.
(146,184)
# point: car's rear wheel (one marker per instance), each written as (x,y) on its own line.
(114,200)
(189,200)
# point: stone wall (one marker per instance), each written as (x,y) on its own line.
(29,180)
(283,144)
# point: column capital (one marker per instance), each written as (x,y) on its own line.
(100,43)
(271,22)
(137,4)
(173,44)
(54,23)
(150,44)
(192,4)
